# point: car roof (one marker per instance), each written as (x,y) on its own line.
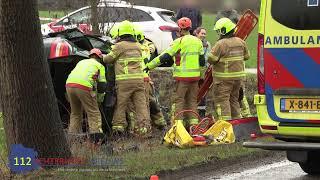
(144,8)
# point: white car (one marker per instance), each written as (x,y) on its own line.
(158,24)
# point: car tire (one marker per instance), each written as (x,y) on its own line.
(312,166)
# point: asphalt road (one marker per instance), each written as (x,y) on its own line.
(280,170)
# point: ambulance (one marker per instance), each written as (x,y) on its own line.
(288,99)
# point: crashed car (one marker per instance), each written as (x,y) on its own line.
(63,51)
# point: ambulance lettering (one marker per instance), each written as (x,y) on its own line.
(288,40)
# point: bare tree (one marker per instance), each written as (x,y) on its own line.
(104,15)
(31,115)
(94,16)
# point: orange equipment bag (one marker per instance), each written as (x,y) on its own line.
(243,29)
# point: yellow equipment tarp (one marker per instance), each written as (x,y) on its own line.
(221,133)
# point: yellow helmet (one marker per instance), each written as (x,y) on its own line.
(139,33)
(126,28)
(224,26)
(114,31)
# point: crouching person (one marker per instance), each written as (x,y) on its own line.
(85,89)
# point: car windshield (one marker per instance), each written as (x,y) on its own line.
(168,16)
(297,14)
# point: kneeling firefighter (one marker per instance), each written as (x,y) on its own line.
(126,54)
(86,87)
(189,58)
(227,57)
(155,113)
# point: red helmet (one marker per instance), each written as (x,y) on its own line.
(184,23)
(97,52)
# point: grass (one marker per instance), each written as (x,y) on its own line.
(155,159)
(2,138)
(51,14)
(3,148)
(208,20)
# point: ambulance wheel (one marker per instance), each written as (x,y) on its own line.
(312,165)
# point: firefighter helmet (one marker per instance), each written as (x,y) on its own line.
(224,26)
(139,33)
(97,52)
(126,28)
(114,31)
(184,23)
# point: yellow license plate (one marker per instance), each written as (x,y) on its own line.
(300,105)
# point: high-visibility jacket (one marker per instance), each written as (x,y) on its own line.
(146,55)
(187,51)
(227,57)
(127,56)
(86,74)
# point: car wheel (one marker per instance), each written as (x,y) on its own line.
(312,166)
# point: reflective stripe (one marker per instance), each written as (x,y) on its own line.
(230,74)
(136,59)
(126,68)
(178,70)
(225,118)
(154,63)
(129,76)
(112,54)
(230,59)
(118,128)
(190,53)
(215,58)
(226,65)
(142,131)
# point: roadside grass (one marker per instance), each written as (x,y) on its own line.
(44,22)
(208,20)
(2,138)
(3,149)
(51,14)
(152,160)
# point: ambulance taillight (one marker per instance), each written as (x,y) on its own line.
(261,75)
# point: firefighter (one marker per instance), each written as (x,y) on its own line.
(229,12)
(227,57)
(126,54)
(155,113)
(188,54)
(86,86)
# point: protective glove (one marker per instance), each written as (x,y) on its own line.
(146,69)
(146,60)
(100,97)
